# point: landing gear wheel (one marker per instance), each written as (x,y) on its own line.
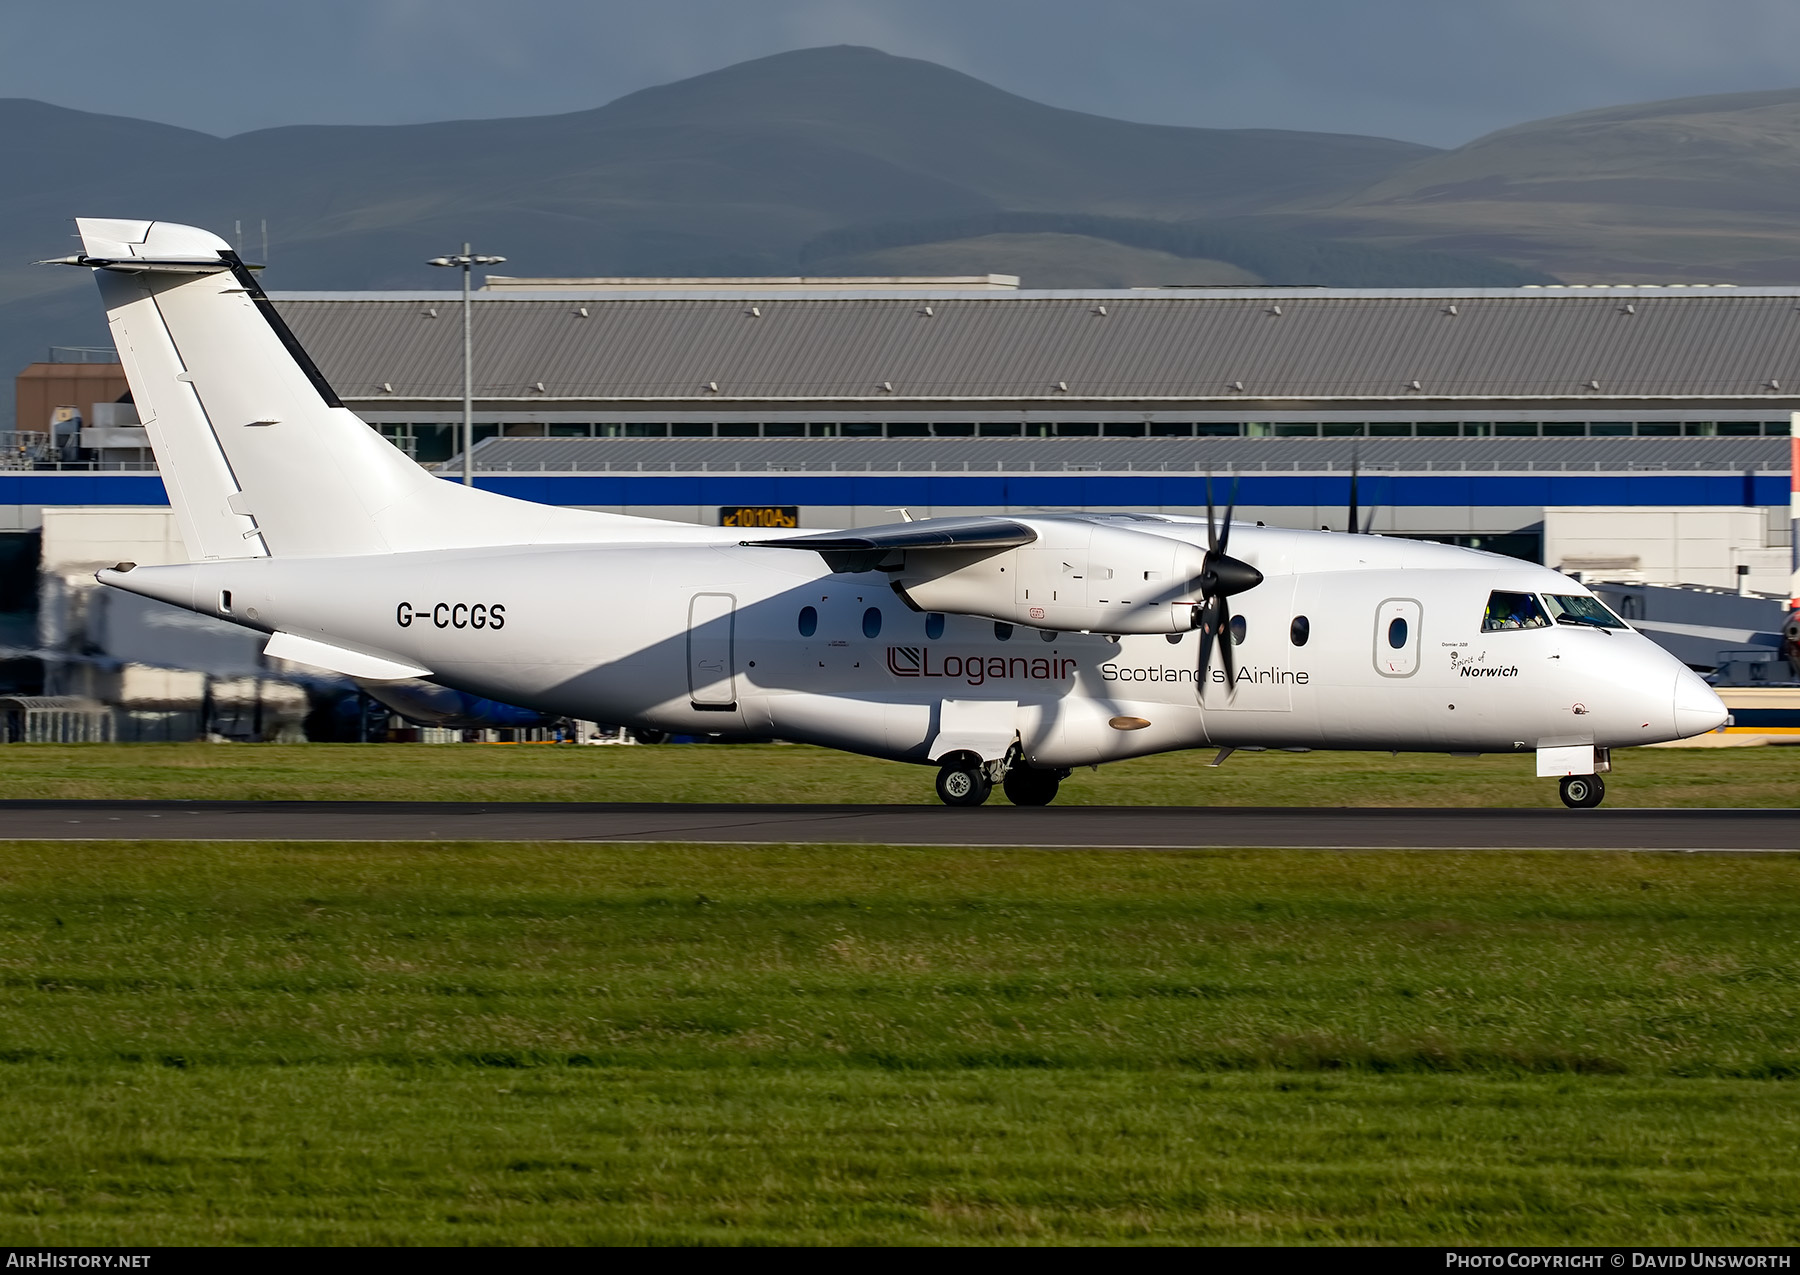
(963,785)
(645,735)
(1582,792)
(1026,786)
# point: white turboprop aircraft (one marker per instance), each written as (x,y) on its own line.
(1000,649)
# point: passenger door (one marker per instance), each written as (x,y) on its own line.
(1398,622)
(712,668)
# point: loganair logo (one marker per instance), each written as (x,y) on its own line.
(1477,666)
(921,661)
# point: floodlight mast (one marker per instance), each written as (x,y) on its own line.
(467,259)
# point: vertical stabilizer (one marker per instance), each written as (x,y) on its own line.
(257,454)
(196,474)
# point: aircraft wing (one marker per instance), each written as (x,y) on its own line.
(866,548)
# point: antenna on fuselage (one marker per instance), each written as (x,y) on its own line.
(1354,523)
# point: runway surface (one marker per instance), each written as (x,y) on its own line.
(1119,827)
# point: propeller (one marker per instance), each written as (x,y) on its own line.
(1220,576)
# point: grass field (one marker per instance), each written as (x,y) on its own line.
(1761,777)
(558,1044)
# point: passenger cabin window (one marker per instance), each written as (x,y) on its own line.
(1513,611)
(1576,608)
(1299,630)
(872,622)
(1397,632)
(1238,630)
(1003,630)
(809,621)
(934,625)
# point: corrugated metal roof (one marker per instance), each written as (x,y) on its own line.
(1222,455)
(1530,344)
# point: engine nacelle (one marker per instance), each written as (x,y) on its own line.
(1075,577)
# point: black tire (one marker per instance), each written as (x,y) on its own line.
(1026,786)
(1582,792)
(648,736)
(963,785)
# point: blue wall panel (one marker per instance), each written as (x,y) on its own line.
(1103,490)
(27,488)
(1017,490)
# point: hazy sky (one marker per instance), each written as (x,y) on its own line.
(1437,71)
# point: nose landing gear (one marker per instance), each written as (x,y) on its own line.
(1582,792)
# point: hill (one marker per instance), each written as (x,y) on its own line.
(1703,189)
(1041,259)
(1135,250)
(736,169)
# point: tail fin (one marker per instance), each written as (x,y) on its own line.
(258,455)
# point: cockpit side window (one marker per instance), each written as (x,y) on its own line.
(1513,611)
(1577,608)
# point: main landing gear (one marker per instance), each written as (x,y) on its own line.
(960,784)
(1028,786)
(1582,792)
(966,780)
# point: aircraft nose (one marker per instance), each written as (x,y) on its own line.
(1698,708)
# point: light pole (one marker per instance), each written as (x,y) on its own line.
(466,260)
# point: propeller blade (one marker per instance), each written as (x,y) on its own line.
(1208,629)
(1351,523)
(1220,577)
(1230,509)
(1226,658)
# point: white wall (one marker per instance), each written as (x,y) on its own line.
(75,613)
(88,537)
(1684,545)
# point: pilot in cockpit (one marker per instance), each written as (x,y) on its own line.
(1513,611)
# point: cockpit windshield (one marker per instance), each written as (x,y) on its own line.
(1576,608)
(1513,611)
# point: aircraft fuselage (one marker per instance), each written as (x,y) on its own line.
(741,640)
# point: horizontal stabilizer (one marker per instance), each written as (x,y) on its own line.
(136,247)
(338,659)
(136,265)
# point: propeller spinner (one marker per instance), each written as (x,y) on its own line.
(1221,577)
